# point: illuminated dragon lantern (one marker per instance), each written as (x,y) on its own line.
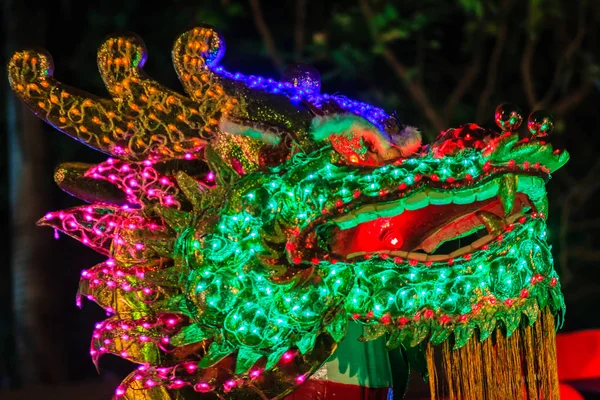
(251,226)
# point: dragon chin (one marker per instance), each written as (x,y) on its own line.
(238,258)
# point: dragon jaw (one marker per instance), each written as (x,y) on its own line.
(245,289)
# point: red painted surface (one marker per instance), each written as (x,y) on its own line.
(419,229)
(578,355)
(325,390)
(569,393)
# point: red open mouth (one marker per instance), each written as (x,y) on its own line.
(434,232)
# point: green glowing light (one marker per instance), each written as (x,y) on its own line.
(256,232)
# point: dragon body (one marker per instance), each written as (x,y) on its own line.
(248,223)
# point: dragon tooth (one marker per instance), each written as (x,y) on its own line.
(461,251)
(421,257)
(482,241)
(492,222)
(507,192)
(437,257)
(417,201)
(439,198)
(464,197)
(356,254)
(398,253)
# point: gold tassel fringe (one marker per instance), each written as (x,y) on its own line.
(522,366)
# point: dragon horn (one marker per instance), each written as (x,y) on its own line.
(146,120)
(170,125)
(245,107)
(194,52)
(92,120)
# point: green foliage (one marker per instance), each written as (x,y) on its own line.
(473,7)
(541,11)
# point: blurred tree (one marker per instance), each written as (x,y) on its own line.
(39,357)
(436,63)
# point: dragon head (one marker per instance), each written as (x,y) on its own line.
(246,224)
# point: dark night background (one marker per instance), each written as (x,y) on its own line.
(437,63)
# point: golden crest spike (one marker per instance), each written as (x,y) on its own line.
(71,178)
(168,122)
(191,189)
(176,219)
(83,116)
(193,53)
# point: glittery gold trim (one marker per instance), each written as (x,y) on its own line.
(520,366)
